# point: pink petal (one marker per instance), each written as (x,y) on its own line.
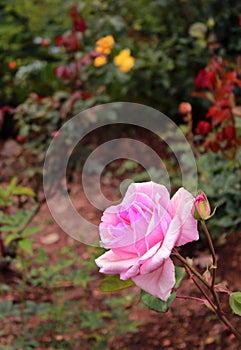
(148,263)
(183,202)
(158,283)
(111,263)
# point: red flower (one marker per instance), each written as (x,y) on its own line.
(62,72)
(205,79)
(79,25)
(71,42)
(229,132)
(85,95)
(59,40)
(219,112)
(213,145)
(78,22)
(203,128)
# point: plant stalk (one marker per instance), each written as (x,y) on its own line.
(216,306)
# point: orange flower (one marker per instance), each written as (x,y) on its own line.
(105,44)
(124,61)
(100,61)
(12,65)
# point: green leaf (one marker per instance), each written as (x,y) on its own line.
(19,220)
(26,245)
(2,192)
(42,257)
(9,228)
(12,184)
(25,191)
(157,304)
(113,283)
(11,237)
(179,274)
(30,231)
(235,302)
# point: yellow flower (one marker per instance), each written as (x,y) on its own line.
(105,44)
(124,61)
(100,61)
(104,50)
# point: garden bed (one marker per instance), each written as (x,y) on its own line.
(186,325)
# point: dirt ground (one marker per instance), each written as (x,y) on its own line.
(187,324)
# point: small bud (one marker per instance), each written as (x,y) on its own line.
(45,42)
(201,209)
(12,65)
(185,107)
(20,138)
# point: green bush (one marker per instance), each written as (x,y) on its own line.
(220,179)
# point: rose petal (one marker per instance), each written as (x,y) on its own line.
(183,203)
(111,263)
(158,283)
(148,263)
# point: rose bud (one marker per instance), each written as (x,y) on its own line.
(12,65)
(185,107)
(20,138)
(201,208)
(45,42)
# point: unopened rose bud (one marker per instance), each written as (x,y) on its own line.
(45,42)
(185,107)
(20,138)
(201,209)
(12,65)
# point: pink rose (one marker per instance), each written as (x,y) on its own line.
(141,233)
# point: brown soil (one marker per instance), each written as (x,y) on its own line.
(187,324)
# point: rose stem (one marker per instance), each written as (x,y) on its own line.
(197,274)
(217,310)
(211,247)
(214,264)
(201,290)
(190,298)
(185,263)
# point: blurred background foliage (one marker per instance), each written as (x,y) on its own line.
(170,41)
(48,51)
